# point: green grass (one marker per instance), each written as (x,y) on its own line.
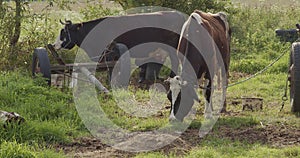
(16,150)
(51,115)
(227,149)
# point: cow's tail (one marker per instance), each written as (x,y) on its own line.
(187,23)
(184,29)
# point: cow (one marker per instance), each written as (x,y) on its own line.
(75,34)
(182,88)
(215,24)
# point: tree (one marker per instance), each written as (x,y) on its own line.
(186,6)
(17,23)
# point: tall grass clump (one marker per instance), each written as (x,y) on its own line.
(50,114)
(254,43)
(15,150)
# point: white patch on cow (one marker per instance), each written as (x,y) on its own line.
(57,44)
(197,17)
(172,116)
(175,88)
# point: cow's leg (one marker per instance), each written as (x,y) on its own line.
(142,74)
(152,71)
(120,74)
(207,94)
(185,102)
(172,113)
(124,66)
(223,110)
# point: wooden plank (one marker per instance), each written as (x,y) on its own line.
(70,67)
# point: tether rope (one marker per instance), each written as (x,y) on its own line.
(259,72)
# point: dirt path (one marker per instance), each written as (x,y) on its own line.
(276,136)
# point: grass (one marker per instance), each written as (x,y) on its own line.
(224,148)
(14,150)
(227,149)
(49,113)
(51,116)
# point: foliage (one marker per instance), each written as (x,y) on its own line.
(186,6)
(254,44)
(34,32)
(96,10)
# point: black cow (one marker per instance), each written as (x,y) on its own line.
(151,32)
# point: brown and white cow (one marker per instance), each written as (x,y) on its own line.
(182,88)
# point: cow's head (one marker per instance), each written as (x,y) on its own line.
(66,38)
(182,96)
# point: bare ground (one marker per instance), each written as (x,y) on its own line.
(271,135)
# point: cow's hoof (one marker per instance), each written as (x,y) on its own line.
(172,119)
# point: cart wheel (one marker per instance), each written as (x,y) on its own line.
(295,77)
(41,64)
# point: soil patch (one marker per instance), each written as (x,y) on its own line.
(272,135)
(276,136)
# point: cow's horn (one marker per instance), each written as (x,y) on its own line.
(62,22)
(68,22)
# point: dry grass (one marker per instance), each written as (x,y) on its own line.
(269,3)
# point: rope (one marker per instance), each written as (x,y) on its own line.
(284,97)
(259,72)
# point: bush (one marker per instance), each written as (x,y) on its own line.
(20,32)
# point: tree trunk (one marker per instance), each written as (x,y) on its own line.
(16,31)
(17,28)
